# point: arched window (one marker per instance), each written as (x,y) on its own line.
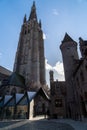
(82,76)
(25,32)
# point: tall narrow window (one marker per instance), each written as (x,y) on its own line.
(82,76)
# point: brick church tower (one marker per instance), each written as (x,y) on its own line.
(70,58)
(69,54)
(30,60)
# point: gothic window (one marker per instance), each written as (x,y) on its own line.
(86,66)
(77,81)
(25,32)
(82,76)
(52,89)
(28,31)
(86,95)
(58,103)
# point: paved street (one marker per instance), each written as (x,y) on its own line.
(43,124)
(34,125)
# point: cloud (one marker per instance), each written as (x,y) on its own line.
(44,36)
(48,66)
(55,12)
(57,69)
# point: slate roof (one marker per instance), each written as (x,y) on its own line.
(5,71)
(14,79)
(67,38)
(21,98)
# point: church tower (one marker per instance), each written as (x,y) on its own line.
(69,54)
(83,47)
(70,58)
(30,60)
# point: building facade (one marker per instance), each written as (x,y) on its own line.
(57,98)
(69,98)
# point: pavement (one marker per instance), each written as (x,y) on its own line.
(40,123)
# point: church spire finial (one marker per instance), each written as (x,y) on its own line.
(33,14)
(24,21)
(33,3)
(40,23)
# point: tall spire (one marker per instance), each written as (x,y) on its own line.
(33,14)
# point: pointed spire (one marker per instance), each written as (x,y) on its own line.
(40,25)
(81,41)
(33,14)
(67,38)
(24,21)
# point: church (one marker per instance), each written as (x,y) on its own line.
(24,93)
(28,76)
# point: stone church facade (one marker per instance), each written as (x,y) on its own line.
(30,60)
(67,98)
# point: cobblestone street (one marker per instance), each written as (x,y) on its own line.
(40,123)
(34,125)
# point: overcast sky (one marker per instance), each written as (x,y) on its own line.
(57,16)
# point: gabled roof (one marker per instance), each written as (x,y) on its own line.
(43,93)
(31,95)
(18,97)
(14,79)
(7,98)
(11,102)
(67,38)
(5,71)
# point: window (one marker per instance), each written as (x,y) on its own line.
(25,32)
(86,95)
(82,76)
(28,31)
(58,103)
(77,81)
(86,67)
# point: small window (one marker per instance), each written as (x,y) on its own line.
(86,67)
(28,31)
(77,81)
(86,95)
(58,103)
(25,32)
(82,76)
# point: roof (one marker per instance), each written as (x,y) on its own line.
(5,71)
(82,42)
(67,41)
(43,93)
(18,97)
(31,95)
(14,79)
(67,38)
(21,98)
(7,98)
